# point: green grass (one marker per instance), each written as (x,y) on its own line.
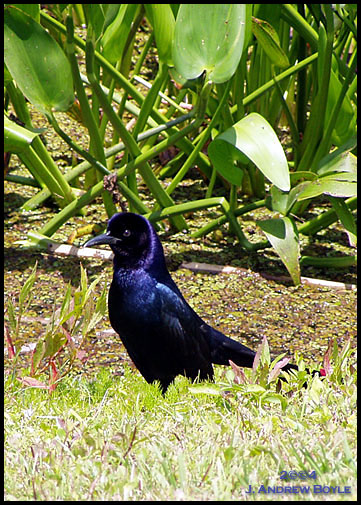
(118,438)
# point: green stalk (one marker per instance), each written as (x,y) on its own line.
(187,207)
(24,181)
(146,172)
(104,120)
(54,174)
(228,120)
(334,262)
(238,86)
(315,124)
(204,204)
(183,143)
(301,97)
(252,76)
(55,223)
(133,198)
(200,112)
(268,85)
(211,183)
(126,58)
(157,149)
(233,197)
(324,220)
(143,54)
(37,176)
(52,168)
(85,154)
(19,104)
(305,30)
(62,217)
(150,99)
(325,143)
(88,117)
(293,127)
(145,111)
(219,221)
(118,98)
(78,8)
(30,158)
(352,89)
(82,167)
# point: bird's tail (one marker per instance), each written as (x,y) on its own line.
(224,349)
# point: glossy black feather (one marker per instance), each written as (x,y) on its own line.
(162,334)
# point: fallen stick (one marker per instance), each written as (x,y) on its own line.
(83,252)
(90,252)
(217,269)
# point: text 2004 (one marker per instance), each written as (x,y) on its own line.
(293,475)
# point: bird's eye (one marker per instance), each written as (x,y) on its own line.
(126,233)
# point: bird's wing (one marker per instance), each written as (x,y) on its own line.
(177,315)
(182,325)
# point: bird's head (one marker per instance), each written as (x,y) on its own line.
(132,239)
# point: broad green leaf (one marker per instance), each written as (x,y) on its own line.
(37,63)
(278,200)
(282,233)
(268,39)
(26,289)
(116,35)
(38,354)
(33,10)
(7,77)
(341,184)
(223,156)
(345,126)
(52,343)
(302,174)
(275,398)
(96,18)
(254,388)
(65,306)
(110,13)
(16,138)
(344,162)
(162,19)
(345,216)
(207,389)
(209,37)
(283,201)
(182,81)
(254,137)
(270,12)
(11,316)
(100,310)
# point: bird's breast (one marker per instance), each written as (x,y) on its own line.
(132,299)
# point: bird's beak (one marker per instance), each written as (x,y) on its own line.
(102,239)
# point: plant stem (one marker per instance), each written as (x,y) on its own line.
(88,117)
(324,220)
(146,172)
(333,262)
(183,143)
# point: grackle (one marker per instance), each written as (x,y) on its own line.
(163,335)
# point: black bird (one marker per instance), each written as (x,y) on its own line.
(162,334)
